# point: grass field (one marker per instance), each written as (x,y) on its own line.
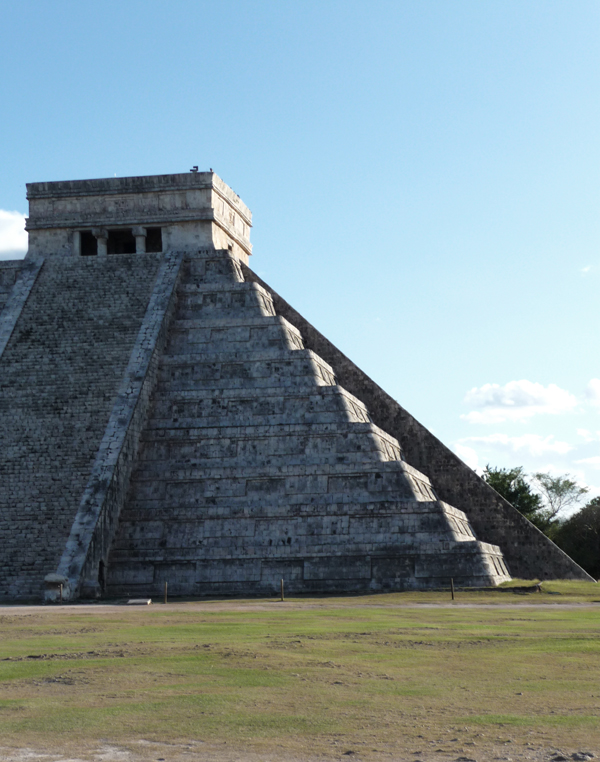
(411,674)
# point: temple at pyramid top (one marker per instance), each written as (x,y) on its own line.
(127,215)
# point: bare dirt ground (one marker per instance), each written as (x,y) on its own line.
(145,751)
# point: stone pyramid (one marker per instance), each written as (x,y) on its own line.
(165,416)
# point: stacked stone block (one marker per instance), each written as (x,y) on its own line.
(256,466)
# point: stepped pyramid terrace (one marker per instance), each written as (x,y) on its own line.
(165,416)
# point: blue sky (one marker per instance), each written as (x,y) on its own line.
(423,177)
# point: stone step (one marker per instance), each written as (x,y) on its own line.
(211,268)
(359,444)
(219,441)
(245,299)
(246,355)
(216,534)
(240,394)
(189,286)
(185,531)
(149,464)
(227,507)
(325,545)
(267,456)
(222,323)
(276,466)
(267,409)
(187,339)
(209,519)
(187,311)
(338,482)
(249,456)
(310,536)
(193,379)
(342,428)
(302,374)
(253,421)
(311,548)
(186,392)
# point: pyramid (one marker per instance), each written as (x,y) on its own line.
(166,417)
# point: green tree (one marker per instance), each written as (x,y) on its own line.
(511,484)
(558,492)
(579,537)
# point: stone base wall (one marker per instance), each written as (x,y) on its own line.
(310,574)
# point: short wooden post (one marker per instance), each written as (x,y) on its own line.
(452,587)
(166,586)
(61,593)
(282,598)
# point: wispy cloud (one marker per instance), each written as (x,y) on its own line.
(13,238)
(517,401)
(585,269)
(592,392)
(594,461)
(533,444)
(588,436)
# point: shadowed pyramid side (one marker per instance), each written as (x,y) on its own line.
(59,376)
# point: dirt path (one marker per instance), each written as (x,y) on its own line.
(233,606)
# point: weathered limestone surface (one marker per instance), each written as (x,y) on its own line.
(194,210)
(528,551)
(256,466)
(59,375)
(80,569)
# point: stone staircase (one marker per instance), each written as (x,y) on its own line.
(256,466)
(59,376)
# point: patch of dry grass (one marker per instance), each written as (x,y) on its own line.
(394,673)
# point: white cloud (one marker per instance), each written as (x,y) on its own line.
(592,392)
(468,455)
(586,269)
(13,238)
(517,401)
(594,461)
(586,435)
(534,444)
